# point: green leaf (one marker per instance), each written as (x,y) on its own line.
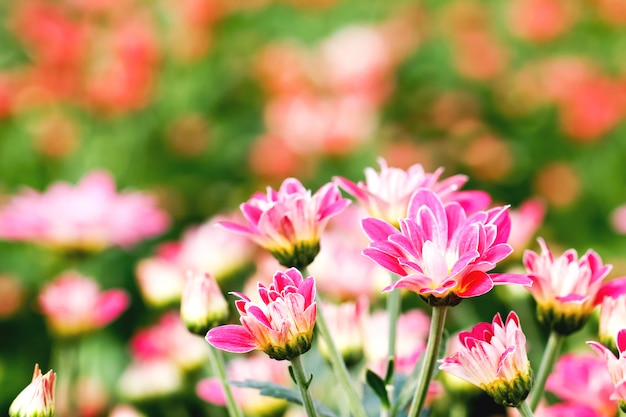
(378,385)
(389,373)
(270,389)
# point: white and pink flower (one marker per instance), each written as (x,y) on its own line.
(493,357)
(281,324)
(568,288)
(289,222)
(442,253)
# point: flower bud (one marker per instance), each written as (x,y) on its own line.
(37,399)
(203,305)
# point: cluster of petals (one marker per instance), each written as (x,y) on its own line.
(567,288)
(288,222)
(281,324)
(37,399)
(73,304)
(616,366)
(88,216)
(386,194)
(493,357)
(441,252)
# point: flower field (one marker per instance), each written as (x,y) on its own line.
(385,208)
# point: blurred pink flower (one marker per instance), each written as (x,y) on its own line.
(616,366)
(540,20)
(146,379)
(582,379)
(160,278)
(281,324)
(37,399)
(121,78)
(386,194)
(355,275)
(125,410)
(413,325)
(89,216)
(73,304)
(442,253)
(346,325)
(592,108)
(289,222)
(213,249)
(567,288)
(493,357)
(169,339)
(618,219)
(310,124)
(256,367)
(525,221)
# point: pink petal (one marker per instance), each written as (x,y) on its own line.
(377,229)
(351,188)
(613,289)
(231,338)
(110,305)
(621,341)
(522,279)
(385,260)
(474,284)
(414,282)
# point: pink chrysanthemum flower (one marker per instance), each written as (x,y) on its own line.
(442,253)
(493,357)
(567,288)
(386,194)
(73,304)
(288,222)
(281,324)
(616,367)
(37,399)
(90,216)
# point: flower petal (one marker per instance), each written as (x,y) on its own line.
(231,338)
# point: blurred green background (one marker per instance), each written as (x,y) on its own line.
(202,102)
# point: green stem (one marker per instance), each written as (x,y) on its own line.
(339,366)
(553,348)
(303,385)
(65,363)
(393,309)
(217,359)
(435,335)
(524,409)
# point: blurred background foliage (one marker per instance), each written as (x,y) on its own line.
(202,102)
